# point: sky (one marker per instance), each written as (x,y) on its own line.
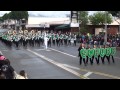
(46,13)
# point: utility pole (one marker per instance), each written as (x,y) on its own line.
(105,37)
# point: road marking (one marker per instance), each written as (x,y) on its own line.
(1,53)
(87,74)
(58,64)
(69,66)
(98,73)
(39,49)
(102,74)
(42,49)
(63,52)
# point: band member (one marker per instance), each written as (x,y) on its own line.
(82,46)
(91,61)
(32,42)
(53,38)
(61,39)
(49,40)
(111,56)
(57,40)
(107,57)
(65,39)
(69,40)
(97,59)
(75,39)
(17,41)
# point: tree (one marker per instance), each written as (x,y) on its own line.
(1,19)
(98,18)
(83,19)
(19,15)
(6,16)
(116,15)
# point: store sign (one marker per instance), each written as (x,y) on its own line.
(38,25)
(74,25)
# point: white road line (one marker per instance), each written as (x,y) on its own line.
(58,64)
(39,49)
(69,66)
(87,74)
(42,49)
(1,53)
(63,52)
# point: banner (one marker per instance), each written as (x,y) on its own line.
(83,53)
(113,50)
(98,51)
(90,53)
(102,52)
(108,51)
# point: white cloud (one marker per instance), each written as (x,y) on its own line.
(43,13)
(46,13)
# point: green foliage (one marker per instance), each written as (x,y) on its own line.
(17,15)
(1,19)
(6,16)
(115,13)
(98,18)
(83,19)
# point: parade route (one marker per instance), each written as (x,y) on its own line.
(59,63)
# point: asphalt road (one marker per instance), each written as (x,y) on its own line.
(58,63)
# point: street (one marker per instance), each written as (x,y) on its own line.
(58,63)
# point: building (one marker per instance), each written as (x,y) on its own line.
(112,28)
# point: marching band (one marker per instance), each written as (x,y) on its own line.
(36,38)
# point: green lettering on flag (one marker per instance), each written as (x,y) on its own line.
(96,52)
(108,51)
(83,53)
(90,53)
(102,52)
(113,50)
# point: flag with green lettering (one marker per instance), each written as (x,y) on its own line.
(90,53)
(113,50)
(83,53)
(102,52)
(96,52)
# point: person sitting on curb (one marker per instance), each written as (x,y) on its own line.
(21,75)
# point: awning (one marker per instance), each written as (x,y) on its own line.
(63,26)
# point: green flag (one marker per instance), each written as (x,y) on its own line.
(113,50)
(102,52)
(90,53)
(83,53)
(108,51)
(96,52)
